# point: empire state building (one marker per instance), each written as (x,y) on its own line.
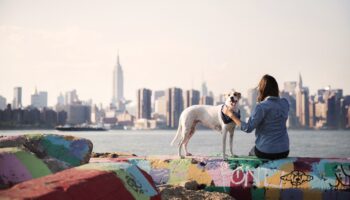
(118,86)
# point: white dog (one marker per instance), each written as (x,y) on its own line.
(209,116)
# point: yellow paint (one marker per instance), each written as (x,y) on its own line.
(159,164)
(178,170)
(69,137)
(199,175)
(288,167)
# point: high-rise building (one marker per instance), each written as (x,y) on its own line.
(174,108)
(345,105)
(78,114)
(17,98)
(204,89)
(160,107)
(207,100)
(252,97)
(118,86)
(156,95)
(2,103)
(292,121)
(312,112)
(71,97)
(144,108)
(39,100)
(60,100)
(192,97)
(302,104)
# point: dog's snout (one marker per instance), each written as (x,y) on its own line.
(233,100)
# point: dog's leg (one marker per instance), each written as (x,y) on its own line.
(224,134)
(180,147)
(231,142)
(189,134)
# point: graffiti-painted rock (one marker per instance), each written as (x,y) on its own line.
(18,165)
(90,181)
(56,152)
(253,178)
(71,150)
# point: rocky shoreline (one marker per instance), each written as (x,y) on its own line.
(186,191)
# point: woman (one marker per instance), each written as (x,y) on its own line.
(269,119)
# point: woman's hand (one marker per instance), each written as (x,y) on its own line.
(231,115)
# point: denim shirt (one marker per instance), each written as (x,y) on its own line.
(269,119)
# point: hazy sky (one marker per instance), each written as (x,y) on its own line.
(64,45)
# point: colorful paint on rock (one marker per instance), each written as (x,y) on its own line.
(253,178)
(19,156)
(17,165)
(91,181)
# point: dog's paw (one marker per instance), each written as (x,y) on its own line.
(225,158)
(188,154)
(234,156)
(182,157)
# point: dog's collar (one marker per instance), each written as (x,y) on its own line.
(226,119)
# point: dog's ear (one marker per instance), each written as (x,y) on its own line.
(237,94)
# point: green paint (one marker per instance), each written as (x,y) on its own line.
(258,193)
(218,189)
(330,168)
(248,162)
(60,152)
(34,136)
(34,165)
(178,170)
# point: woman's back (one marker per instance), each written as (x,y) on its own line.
(271,131)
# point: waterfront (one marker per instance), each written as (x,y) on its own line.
(304,143)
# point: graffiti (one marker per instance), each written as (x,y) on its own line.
(342,175)
(131,181)
(296,178)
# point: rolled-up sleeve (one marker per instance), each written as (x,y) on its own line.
(254,120)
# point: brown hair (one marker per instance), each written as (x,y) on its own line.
(268,86)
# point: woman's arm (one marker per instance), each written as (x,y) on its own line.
(254,120)
(230,114)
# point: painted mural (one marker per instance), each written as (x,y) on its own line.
(253,178)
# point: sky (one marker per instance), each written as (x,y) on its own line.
(63,45)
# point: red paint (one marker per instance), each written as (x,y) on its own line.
(71,184)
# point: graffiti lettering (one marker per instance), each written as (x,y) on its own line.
(296,178)
(343,177)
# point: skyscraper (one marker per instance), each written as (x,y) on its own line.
(39,100)
(174,102)
(71,97)
(17,98)
(192,97)
(204,89)
(252,97)
(118,86)
(144,108)
(302,104)
(2,103)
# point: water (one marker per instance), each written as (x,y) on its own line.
(304,143)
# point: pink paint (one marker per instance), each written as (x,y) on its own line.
(12,170)
(220,172)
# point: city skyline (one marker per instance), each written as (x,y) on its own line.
(165,44)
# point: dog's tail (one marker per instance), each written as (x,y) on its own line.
(179,129)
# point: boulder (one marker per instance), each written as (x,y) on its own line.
(90,181)
(19,156)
